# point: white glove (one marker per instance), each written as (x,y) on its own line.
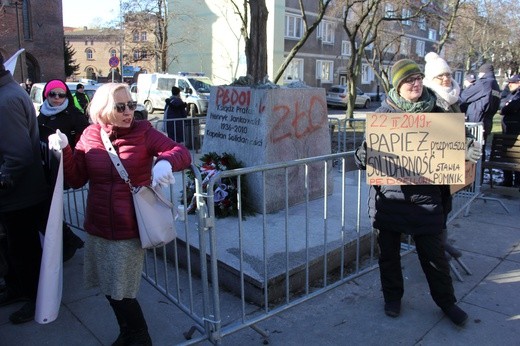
(473,151)
(58,141)
(162,174)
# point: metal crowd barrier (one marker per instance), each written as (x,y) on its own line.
(276,259)
(189,131)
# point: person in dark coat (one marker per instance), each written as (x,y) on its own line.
(59,112)
(510,111)
(175,108)
(481,101)
(81,99)
(417,210)
(23,196)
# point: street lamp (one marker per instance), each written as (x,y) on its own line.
(121,40)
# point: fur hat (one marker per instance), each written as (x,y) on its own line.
(486,68)
(435,66)
(403,69)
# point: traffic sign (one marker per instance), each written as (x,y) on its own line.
(113,61)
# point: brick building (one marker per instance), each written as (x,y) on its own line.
(36,26)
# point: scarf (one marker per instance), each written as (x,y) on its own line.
(49,110)
(446,96)
(424,105)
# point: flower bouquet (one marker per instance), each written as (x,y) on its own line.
(225,190)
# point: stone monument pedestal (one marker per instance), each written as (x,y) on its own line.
(263,126)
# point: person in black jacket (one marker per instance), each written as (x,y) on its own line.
(59,112)
(175,108)
(510,111)
(481,101)
(418,210)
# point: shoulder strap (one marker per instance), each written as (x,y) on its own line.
(115,158)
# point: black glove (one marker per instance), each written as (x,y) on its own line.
(361,156)
(5,181)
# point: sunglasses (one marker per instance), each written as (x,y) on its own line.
(121,106)
(54,94)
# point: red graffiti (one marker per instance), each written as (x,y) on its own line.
(233,97)
(299,123)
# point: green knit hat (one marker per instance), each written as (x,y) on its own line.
(402,69)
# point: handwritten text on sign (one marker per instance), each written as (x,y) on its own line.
(415,149)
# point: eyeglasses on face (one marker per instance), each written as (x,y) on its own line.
(121,106)
(411,80)
(54,94)
(444,75)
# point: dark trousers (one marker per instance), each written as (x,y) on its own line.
(24,250)
(433,262)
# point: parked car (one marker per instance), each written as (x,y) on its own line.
(90,89)
(337,96)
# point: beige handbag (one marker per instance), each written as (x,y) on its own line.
(153,211)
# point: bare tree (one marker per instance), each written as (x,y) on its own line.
(361,21)
(253,17)
(307,31)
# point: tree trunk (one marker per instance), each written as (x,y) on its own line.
(256,46)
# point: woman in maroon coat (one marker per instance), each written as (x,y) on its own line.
(113,253)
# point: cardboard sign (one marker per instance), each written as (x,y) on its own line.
(470,177)
(415,149)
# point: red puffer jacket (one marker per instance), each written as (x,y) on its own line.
(110,210)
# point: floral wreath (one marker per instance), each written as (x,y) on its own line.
(225,192)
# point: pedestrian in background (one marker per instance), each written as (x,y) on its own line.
(27,85)
(24,202)
(510,111)
(81,99)
(481,101)
(417,210)
(113,254)
(58,112)
(175,108)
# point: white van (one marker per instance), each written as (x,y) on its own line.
(154,88)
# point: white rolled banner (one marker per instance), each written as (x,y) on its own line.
(50,286)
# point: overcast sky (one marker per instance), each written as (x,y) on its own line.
(79,13)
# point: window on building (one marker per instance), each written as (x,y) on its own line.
(137,54)
(367,75)
(90,54)
(26,17)
(346,49)
(293,26)
(325,31)
(432,34)
(419,48)
(407,13)
(421,23)
(294,72)
(390,11)
(143,36)
(135,37)
(86,43)
(406,42)
(144,54)
(324,70)
(113,53)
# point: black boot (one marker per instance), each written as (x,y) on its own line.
(134,330)
(71,243)
(123,337)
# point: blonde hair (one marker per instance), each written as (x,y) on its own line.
(102,107)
